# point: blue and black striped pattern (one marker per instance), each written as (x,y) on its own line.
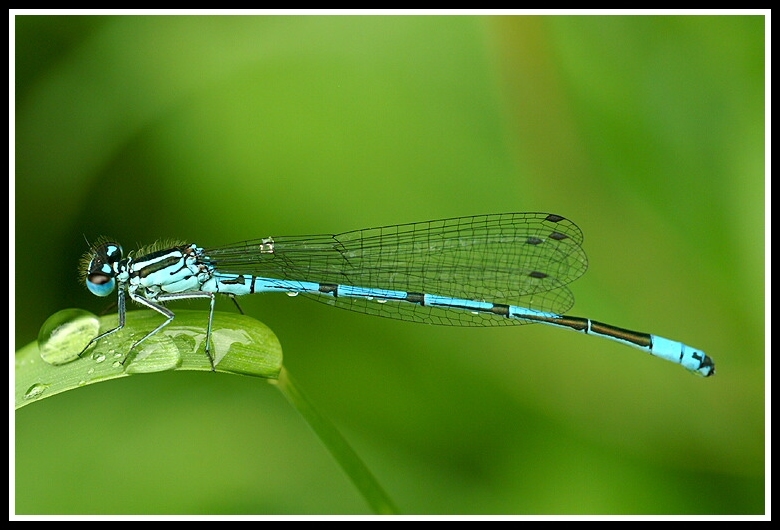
(486,270)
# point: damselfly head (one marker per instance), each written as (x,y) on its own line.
(98,266)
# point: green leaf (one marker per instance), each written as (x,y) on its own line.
(240,345)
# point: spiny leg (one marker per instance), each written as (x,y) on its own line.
(170,315)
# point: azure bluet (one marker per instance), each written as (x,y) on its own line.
(484,270)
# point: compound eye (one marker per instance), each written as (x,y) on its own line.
(100,284)
(108,253)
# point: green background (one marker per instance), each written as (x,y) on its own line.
(648,132)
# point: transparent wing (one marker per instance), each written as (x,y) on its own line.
(523,259)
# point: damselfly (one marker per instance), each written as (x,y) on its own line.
(484,270)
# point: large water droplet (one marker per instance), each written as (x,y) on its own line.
(293,293)
(65,334)
(157,354)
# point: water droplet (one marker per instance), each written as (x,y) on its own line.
(35,391)
(475,312)
(98,357)
(157,354)
(369,297)
(91,371)
(293,293)
(65,334)
(116,364)
(382,300)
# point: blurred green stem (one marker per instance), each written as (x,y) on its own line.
(338,447)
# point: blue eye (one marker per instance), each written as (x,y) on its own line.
(100,284)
